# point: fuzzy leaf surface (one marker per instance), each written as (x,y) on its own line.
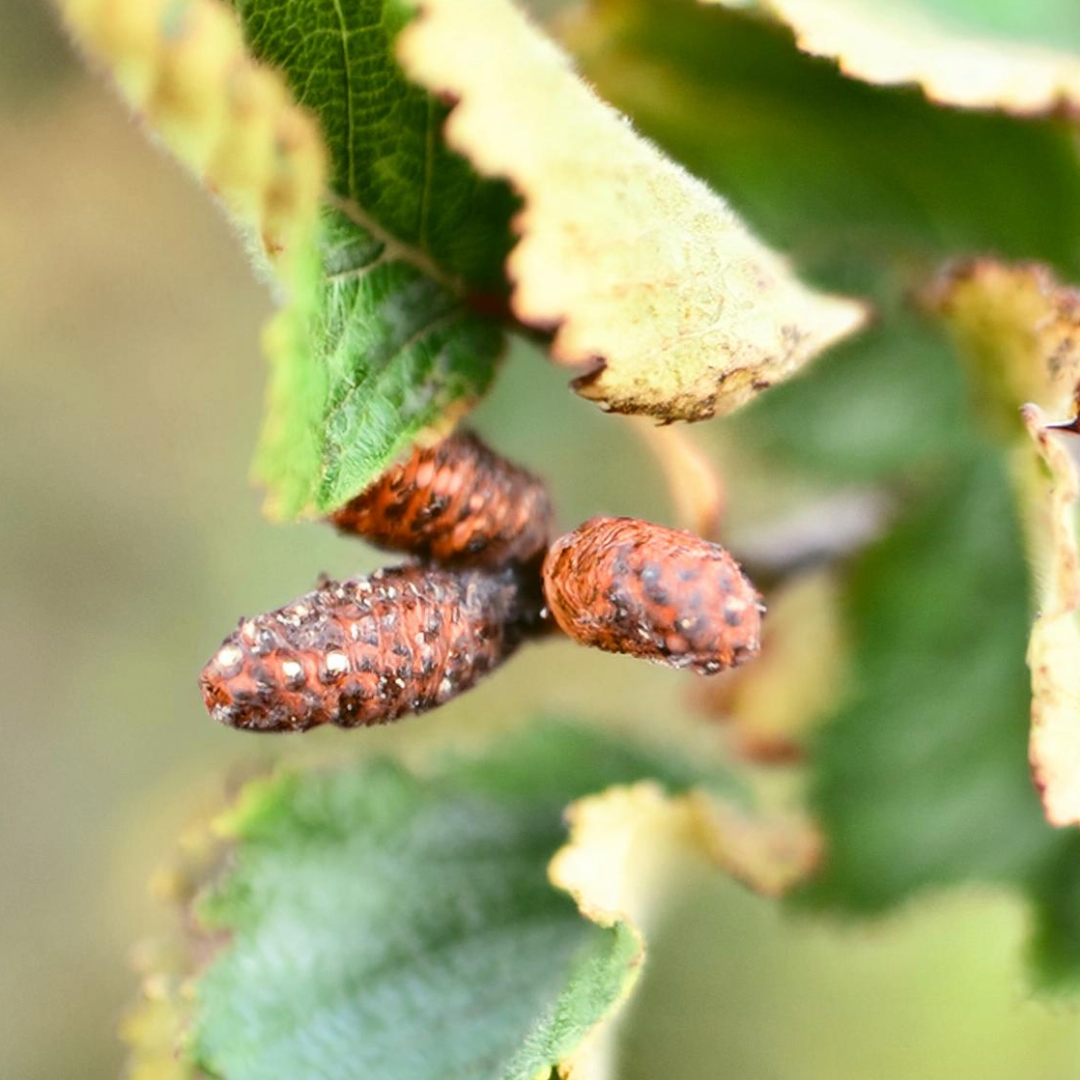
(371,230)
(645,276)
(386,927)
(409,231)
(374,921)
(1019,330)
(1002,56)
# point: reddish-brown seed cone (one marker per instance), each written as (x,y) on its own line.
(626,586)
(457,503)
(371,649)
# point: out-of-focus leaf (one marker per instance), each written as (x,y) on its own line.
(693,480)
(185,68)
(921,780)
(643,273)
(1020,332)
(373,250)
(921,777)
(385,926)
(959,53)
(372,921)
(156,1026)
(869,191)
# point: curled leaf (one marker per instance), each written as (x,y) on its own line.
(1054,650)
(646,276)
(1020,331)
(914,41)
(624,839)
(186,69)
(376,921)
(371,237)
(627,853)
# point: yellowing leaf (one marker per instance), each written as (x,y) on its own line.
(183,64)
(1054,651)
(616,840)
(154,1028)
(628,850)
(185,67)
(1021,331)
(644,274)
(909,41)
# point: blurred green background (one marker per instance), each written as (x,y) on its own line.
(130,541)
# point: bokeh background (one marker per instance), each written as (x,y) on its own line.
(130,541)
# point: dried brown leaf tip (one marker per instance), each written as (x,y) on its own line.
(457,503)
(369,650)
(624,585)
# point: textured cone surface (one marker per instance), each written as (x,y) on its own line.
(368,650)
(626,586)
(457,502)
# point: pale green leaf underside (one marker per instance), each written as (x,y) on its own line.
(383,925)
(385,928)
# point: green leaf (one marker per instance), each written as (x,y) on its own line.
(388,160)
(395,348)
(373,922)
(922,779)
(382,926)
